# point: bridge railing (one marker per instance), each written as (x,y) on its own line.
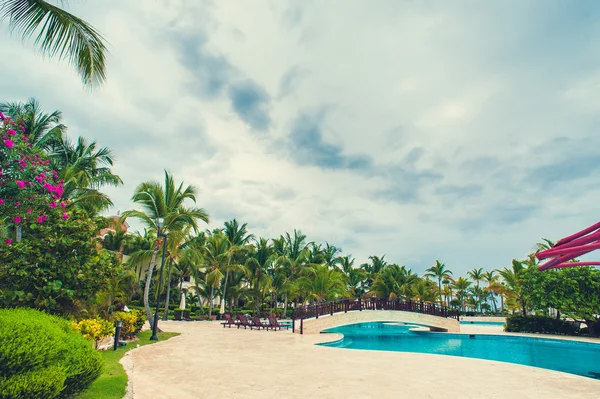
(330,308)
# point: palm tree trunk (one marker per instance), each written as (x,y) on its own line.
(147,287)
(271,312)
(440,289)
(210,301)
(223,299)
(285,305)
(166,314)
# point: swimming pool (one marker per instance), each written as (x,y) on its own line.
(579,358)
(484,323)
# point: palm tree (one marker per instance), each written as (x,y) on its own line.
(513,279)
(257,270)
(85,169)
(440,272)
(394,281)
(217,254)
(477,276)
(293,258)
(166,202)
(44,131)
(424,290)
(238,237)
(320,283)
(461,285)
(59,34)
(492,279)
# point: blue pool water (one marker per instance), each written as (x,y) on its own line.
(484,323)
(571,357)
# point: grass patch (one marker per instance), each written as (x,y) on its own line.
(113,381)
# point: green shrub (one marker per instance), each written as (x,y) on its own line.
(540,324)
(41,356)
(94,329)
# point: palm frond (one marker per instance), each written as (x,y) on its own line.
(60,34)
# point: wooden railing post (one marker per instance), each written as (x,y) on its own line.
(331,309)
(359,304)
(301,326)
(317,310)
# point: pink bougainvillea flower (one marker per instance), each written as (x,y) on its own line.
(17,219)
(40,219)
(65,216)
(22,128)
(1,201)
(11,132)
(18,203)
(62,204)
(9,241)
(53,205)
(29,210)
(9,143)
(21,184)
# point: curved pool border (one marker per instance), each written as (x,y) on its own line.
(585,341)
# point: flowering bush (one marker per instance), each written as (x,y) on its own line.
(133,322)
(94,329)
(30,191)
(58,266)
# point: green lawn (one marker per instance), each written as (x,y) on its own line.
(113,381)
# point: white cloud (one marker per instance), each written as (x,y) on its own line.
(455,113)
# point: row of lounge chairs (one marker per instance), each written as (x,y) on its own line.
(253,322)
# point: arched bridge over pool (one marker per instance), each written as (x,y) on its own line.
(316,318)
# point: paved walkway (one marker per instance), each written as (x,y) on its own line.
(207,361)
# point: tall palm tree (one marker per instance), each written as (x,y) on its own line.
(440,272)
(346,263)
(513,280)
(492,279)
(257,269)
(238,237)
(59,34)
(289,265)
(217,253)
(461,285)
(167,202)
(330,254)
(477,276)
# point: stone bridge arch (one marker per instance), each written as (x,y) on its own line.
(435,323)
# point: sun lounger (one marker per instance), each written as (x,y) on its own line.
(274,324)
(242,321)
(257,323)
(229,321)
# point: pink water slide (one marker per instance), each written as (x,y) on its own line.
(569,248)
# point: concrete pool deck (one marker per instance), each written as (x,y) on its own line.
(208,361)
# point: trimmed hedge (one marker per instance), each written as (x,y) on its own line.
(41,356)
(541,325)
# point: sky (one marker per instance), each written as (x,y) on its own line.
(463,131)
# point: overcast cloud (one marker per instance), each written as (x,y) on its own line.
(462,131)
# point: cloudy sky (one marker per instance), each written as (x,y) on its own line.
(463,131)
